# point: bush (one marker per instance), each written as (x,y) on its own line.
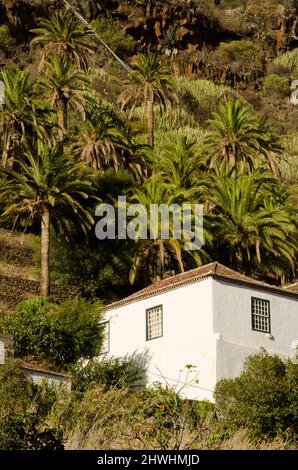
(21,432)
(6,41)
(23,409)
(276,86)
(242,52)
(201,98)
(59,333)
(288,60)
(112,32)
(109,373)
(262,399)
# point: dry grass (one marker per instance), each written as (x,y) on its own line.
(15,239)
(121,420)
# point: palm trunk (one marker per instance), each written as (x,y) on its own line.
(62,118)
(150,120)
(45,250)
(5,154)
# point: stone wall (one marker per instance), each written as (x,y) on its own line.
(18,275)
(13,290)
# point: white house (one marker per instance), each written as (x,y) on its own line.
(37,373)
(211,317)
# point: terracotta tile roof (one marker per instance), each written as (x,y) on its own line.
(215,270)
(35,367)
(292,287)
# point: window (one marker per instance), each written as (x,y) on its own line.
(154,322)
(106,335)
(260,315)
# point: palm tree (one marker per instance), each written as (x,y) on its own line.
(248,225)
(64,35)
(65,86)
(180,166)
(24,115)
(240,139)
(150,81)
(156,250)
(51,185)
(100,140)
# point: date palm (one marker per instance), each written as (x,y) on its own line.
(180,166)
(157,249)
(64,86)
(100,140)
(51,185)
(240,139)
(24,116)
(64,35)
(151,82)
(248,226)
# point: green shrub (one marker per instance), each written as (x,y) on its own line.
(6,40)
(262,399)
(26,432)
(111,31)
(242,52)
(60,333)
(23,410)
(276,85)
(201,98)
(288,60)
(109,373)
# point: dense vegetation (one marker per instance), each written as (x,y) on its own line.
(74,133)
(79,127)
(108,409)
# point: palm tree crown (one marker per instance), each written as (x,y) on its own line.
(240,138)
(247,222)
(64,35)
(179,166)
(150,81)
(100,140)
(24,115)
(52,185)
(65,86)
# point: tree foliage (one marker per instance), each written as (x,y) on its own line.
(61,334)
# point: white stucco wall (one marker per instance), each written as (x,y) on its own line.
(38,377)
(206,324)
(187,336)
(232,320)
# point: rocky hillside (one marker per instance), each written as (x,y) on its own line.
(174,24)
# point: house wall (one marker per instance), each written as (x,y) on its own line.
(232,320)
(187,337)
(38,377)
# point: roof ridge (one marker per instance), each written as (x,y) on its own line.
(214,269)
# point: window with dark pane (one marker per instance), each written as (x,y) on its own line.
(154,326)
(260,315)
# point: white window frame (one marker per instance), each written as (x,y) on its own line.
(260,315)
(149,336)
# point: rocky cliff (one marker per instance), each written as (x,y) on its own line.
(173,24)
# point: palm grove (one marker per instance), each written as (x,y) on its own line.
(64,137)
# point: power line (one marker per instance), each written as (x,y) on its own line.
(81,18)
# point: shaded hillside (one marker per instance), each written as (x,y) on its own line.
(173,27)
